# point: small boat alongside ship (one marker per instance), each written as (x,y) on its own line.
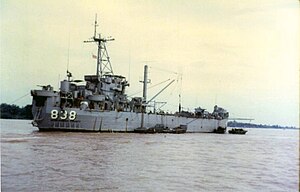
(220,130)
(102,105)
(237,131)
(159,128)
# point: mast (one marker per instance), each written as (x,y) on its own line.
(145,83)
(103,60)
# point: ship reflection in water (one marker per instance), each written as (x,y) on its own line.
(264,160)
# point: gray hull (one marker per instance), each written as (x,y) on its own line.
(113,121)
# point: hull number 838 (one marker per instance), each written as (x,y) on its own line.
(63,115)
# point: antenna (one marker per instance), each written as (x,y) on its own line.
(58,82)
(129,64)
(180,92)
(68,53)
(179,107)
(69,75)
(96,25)
(103,60)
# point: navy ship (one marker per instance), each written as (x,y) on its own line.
(100,104)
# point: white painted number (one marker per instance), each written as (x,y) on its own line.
(72,115)
(63,115)
(54,114)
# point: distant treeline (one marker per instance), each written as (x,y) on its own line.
(252,125)
(15,112)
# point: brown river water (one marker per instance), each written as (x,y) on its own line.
(261,160)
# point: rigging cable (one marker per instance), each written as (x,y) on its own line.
(165,70)
(20,98)
(150,87)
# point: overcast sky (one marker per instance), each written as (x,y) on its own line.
(242,55)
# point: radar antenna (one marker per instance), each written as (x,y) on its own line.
(103,62)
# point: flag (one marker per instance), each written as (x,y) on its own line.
(94,56)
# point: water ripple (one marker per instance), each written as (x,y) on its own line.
(262,160)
